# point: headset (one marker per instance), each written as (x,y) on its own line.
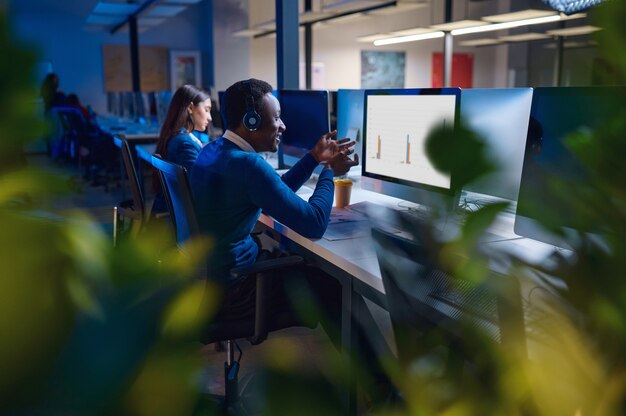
(251,119)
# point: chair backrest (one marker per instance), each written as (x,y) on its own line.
(74,121)
(177,193)
(70,131)
(133,179)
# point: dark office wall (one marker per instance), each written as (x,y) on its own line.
(58,30)
(577,63)
(232,54)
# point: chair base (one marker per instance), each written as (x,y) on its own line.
(245,401)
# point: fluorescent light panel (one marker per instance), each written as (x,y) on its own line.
(123,9)
(573,16)
(571,44)
(409,32)
(149,21)
(506,25)
(520,15)
(165,11)
(245,33)
(574,31)
(523,37)
(412,38)
(461,24)
(400,7)
(480,42)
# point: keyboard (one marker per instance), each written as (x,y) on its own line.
(468,297)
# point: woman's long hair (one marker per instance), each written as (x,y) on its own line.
(177,117)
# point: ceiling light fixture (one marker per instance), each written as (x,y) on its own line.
(506,25)
(411,38)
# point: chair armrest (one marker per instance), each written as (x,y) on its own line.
(129,213)
(264,273)
(266,265)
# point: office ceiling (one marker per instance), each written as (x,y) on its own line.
(73,7)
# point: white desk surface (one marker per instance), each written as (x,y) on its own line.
(130,129)
(357,256)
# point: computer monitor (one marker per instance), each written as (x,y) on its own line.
(306,115)
(396,125)
(557,112)
(332,109)
(500,117)
(350,118)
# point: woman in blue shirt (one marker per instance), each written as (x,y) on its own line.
(188,113)
(180,139)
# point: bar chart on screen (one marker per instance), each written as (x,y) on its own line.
(397,128)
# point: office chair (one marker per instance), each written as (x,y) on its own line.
(134,208)
(71,134)
(424,297)
(177,192)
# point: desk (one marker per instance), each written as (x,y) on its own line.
(130,130)
(354,263)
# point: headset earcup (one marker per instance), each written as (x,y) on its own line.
(251,120)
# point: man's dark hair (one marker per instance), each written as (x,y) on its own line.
(235,100)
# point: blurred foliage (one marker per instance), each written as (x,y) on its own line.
(87,328)
(468,160)
(577,337)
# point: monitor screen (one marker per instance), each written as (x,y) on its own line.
(557,112)
(350,117)
(332,109)
(500,117)
(396,125)
(306,116)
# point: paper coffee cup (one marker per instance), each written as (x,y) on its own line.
(343,189)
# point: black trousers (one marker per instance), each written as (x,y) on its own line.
(310,296)
(304,293)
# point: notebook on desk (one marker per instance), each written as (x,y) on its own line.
(346,223)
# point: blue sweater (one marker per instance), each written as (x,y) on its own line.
(230,189)
(183,150)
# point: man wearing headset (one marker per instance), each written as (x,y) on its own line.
(232,183)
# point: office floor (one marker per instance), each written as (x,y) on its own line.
(311,345)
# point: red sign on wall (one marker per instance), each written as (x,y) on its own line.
(462,70)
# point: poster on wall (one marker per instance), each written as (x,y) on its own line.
(152,71)
(185,68)
(382,69)
(462,70)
